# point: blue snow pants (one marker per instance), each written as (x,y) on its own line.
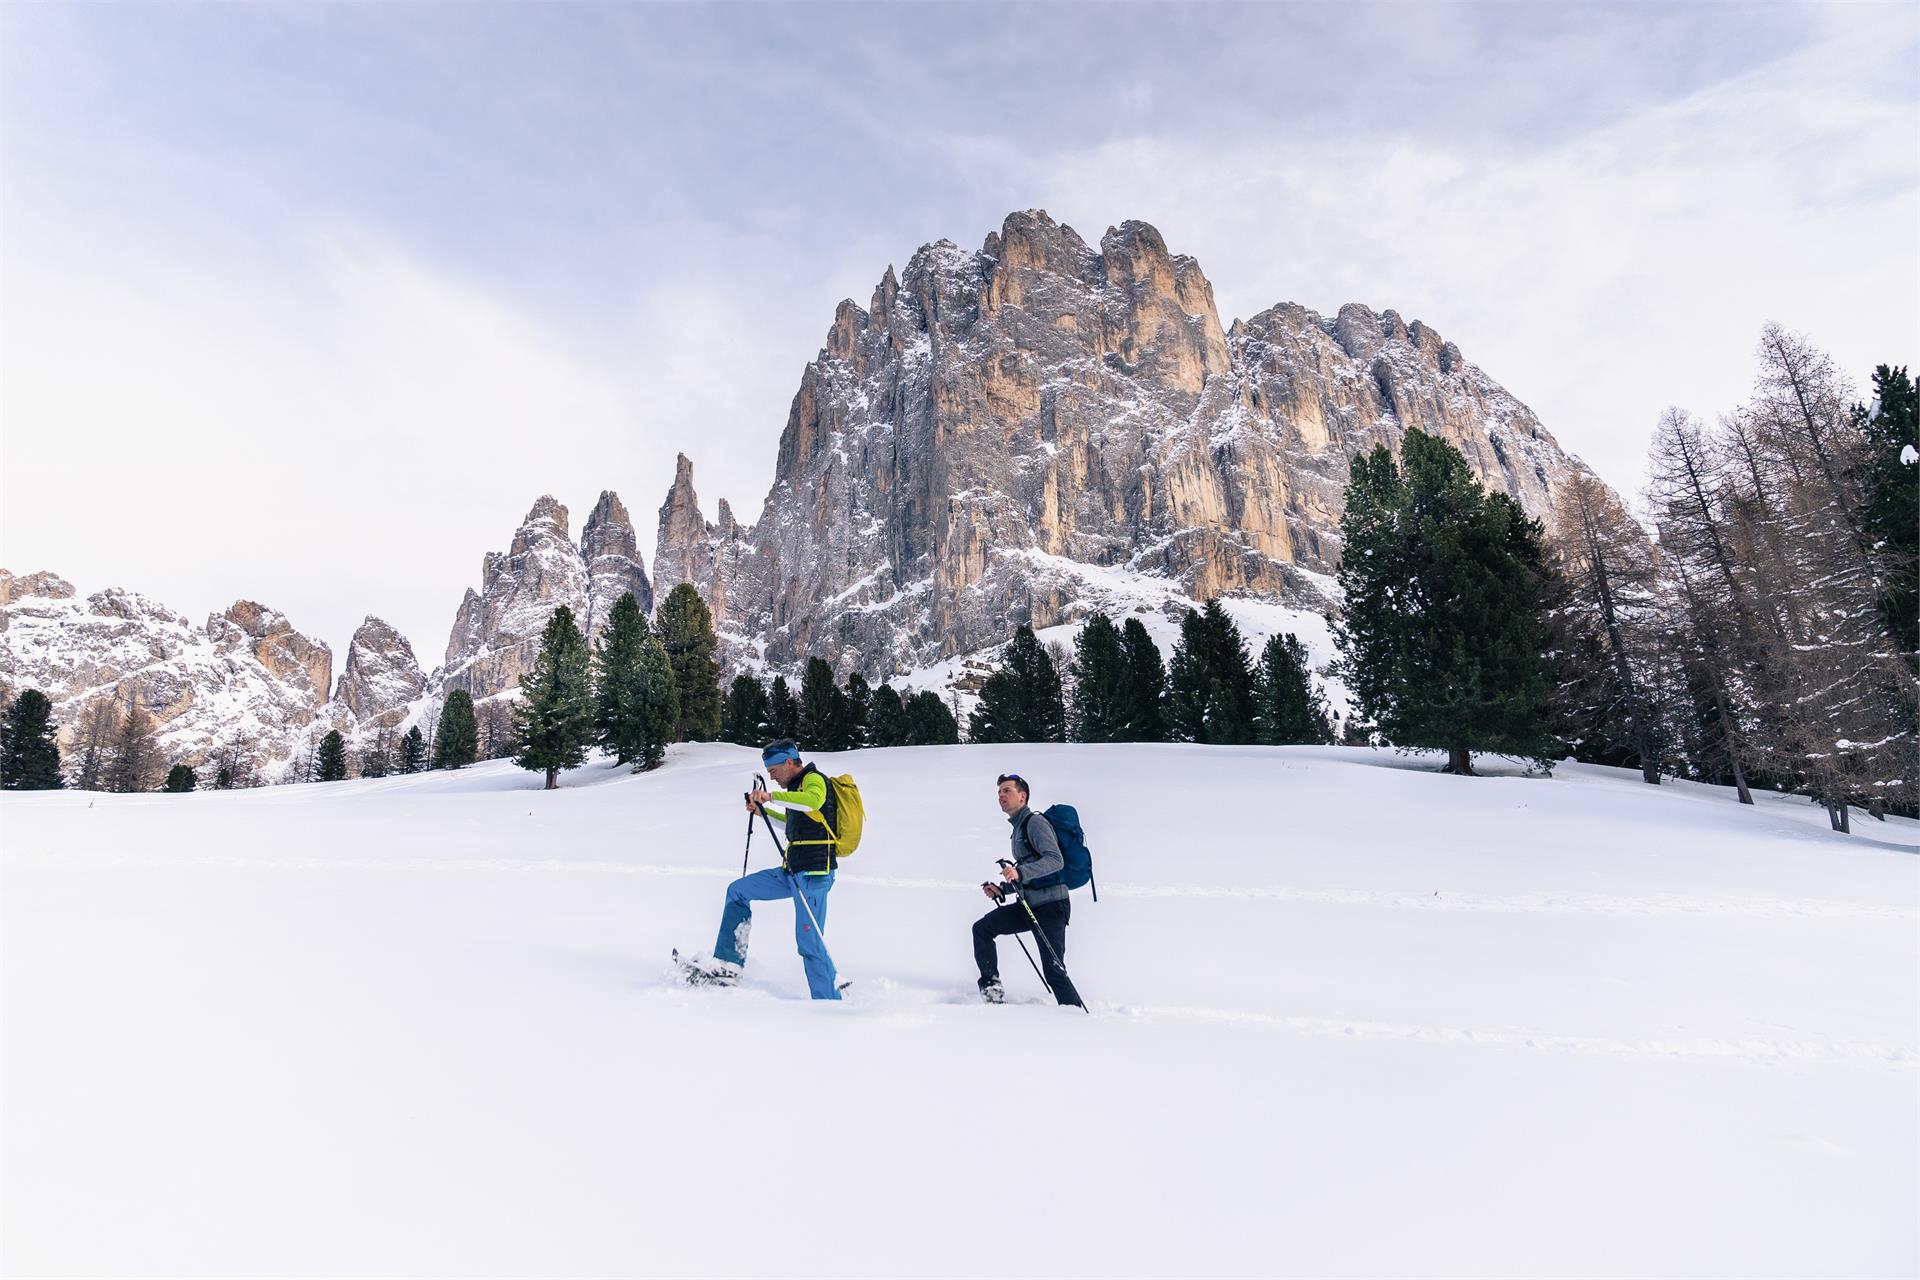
(770,886)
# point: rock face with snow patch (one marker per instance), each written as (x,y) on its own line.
(246,681)
(1008,435)
(614,563)
(496,633)
(380,679)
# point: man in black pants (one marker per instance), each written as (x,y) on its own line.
(1035,876)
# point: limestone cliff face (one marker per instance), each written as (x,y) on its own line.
(614,564)
(496,633)
(380,680)
(999,433)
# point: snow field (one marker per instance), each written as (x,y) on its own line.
(1351,1017)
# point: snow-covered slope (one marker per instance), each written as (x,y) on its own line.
(1350,1017)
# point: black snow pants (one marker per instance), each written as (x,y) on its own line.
(1013,919)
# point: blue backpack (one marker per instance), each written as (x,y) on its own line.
(1078,872)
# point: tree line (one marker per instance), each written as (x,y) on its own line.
(1757,630)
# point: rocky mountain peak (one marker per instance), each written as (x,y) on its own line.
(381,677)
(611,552)
(496,634)
(1006,431)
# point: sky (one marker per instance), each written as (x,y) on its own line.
(307,304)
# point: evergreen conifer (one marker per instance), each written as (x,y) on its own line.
(1443,639)
(783,711)
(333,757)
(685,627)
(1287,708)
(744,719)
(413,751)
(553,719)
(456,742)
(617,689)
(29,753)
(887,724)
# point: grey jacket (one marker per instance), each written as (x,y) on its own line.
(1036,851)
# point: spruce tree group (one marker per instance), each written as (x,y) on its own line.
(783,710)
(29,754)
(887,724)
(456,741)
(635,703)
(180,778)
(1210,684)
(744,718)
(1443,638)
(1023,701)
(553,720)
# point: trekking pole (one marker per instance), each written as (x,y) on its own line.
(1001,898)
(748,796)
(818,932)
(1052,955)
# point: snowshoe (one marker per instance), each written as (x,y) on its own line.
(706,972)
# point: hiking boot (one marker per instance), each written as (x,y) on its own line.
(992,992)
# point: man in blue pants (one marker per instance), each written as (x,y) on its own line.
(805,874)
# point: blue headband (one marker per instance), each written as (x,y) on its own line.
(779,755)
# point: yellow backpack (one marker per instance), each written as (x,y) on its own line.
(850,813)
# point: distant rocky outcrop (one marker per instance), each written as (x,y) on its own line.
(246,684)
(1002,435)
(496,633)
(381,679)
(615,566)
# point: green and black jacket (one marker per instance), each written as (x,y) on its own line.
(810,819)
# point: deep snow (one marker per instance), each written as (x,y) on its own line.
(1351,1017)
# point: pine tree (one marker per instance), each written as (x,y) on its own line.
(1101,681)
(135,762)
(333,757)
(29,753)
(1143,717)
(744,719)
(1287,708)
(931,721)
(1889,485)
(859,706)
(1023,701)
(456,741)
(998,716)
(617,688)
(553,719)
(659,705)
(1210,685)
(887,724)
(686,632)
(822,709)
(783,711)
(1442,642)
(180,778)
(413,750)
